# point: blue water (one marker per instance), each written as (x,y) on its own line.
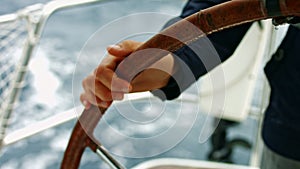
(49,91)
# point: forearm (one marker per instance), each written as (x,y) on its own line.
(156,76)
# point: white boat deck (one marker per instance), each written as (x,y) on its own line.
(174,163)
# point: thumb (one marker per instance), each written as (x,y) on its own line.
(117,50)
(124,48)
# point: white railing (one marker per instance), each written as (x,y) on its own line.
(34,17)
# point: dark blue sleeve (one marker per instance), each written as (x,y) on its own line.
(224,42)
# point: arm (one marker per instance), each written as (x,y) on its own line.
(224,42)
(104,90)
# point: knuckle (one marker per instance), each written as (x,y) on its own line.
(81,97)
(99,71)
(128,44)
(127,41)
(84,82)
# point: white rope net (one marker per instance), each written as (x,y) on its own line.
(13,33)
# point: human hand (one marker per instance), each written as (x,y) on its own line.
(104,86)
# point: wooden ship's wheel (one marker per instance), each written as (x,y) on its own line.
(210,20)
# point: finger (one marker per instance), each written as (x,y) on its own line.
(108,78)
(101,91)
(85,101)
(90,98)
(89,94)
(105,94)
(124,48)
(117,96)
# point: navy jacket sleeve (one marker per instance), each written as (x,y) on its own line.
(224,42)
